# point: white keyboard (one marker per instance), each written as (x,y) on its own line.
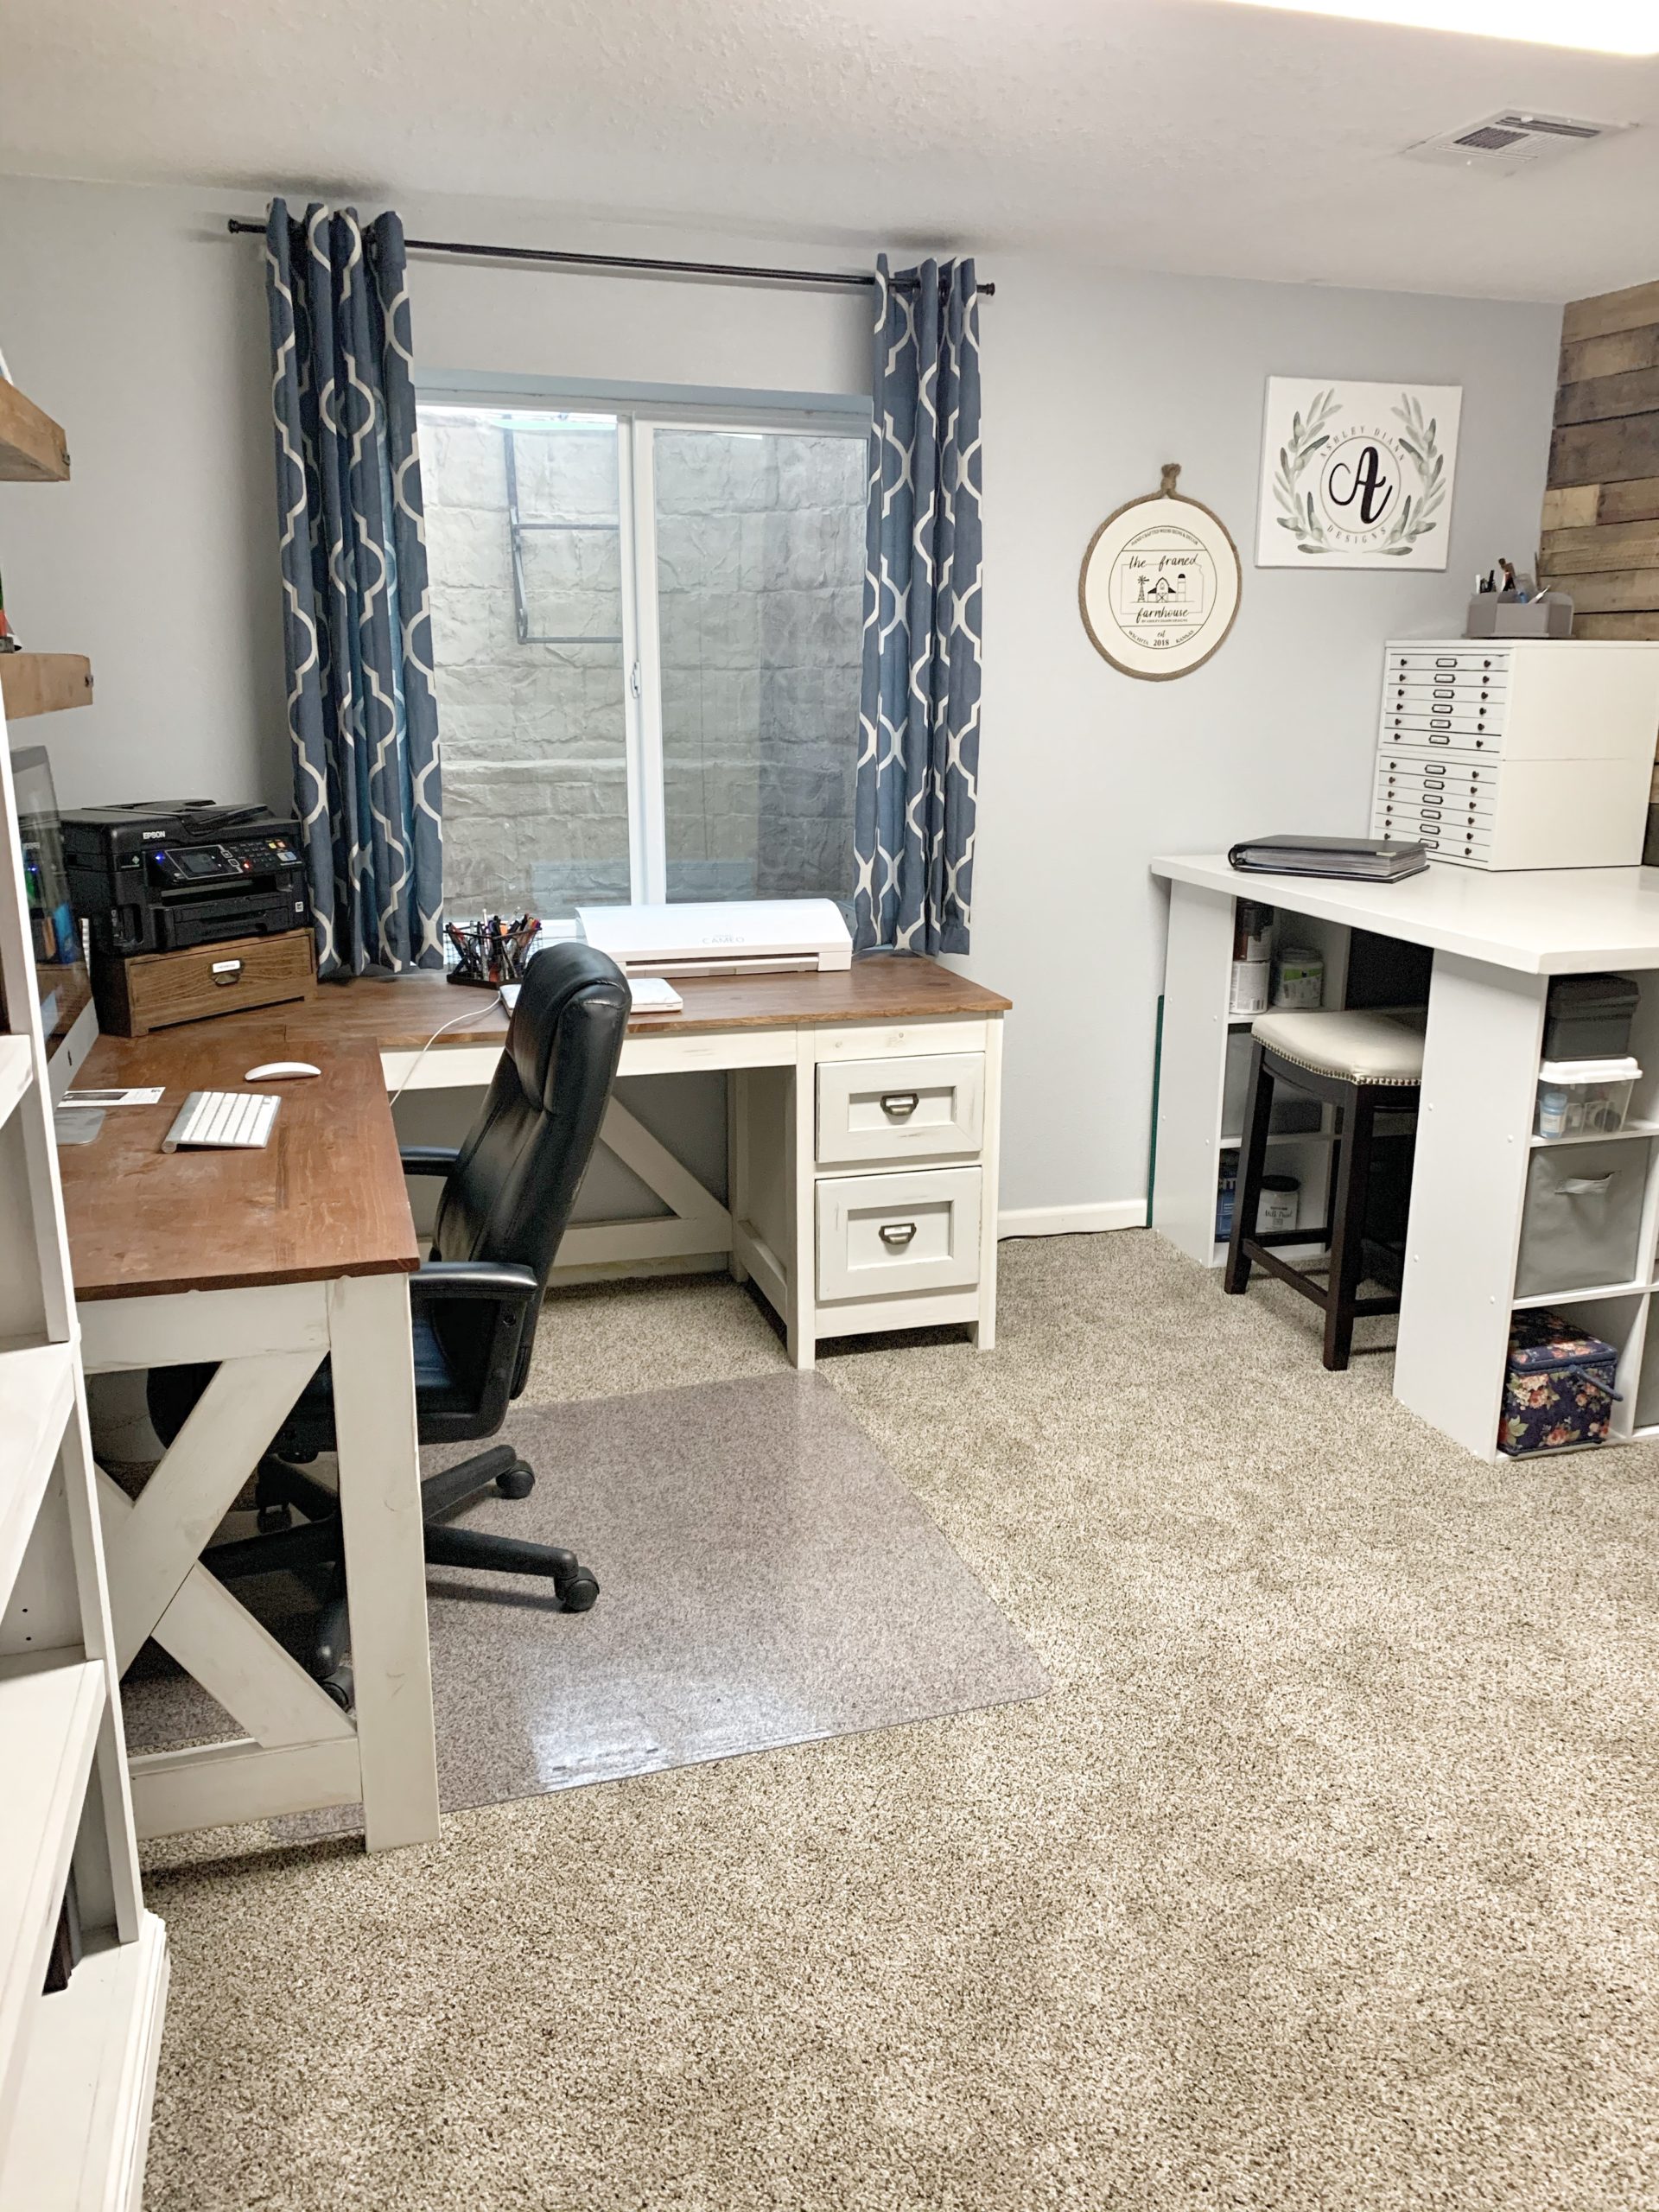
(238,1120)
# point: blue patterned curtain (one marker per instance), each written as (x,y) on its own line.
(918,717)
(361,711)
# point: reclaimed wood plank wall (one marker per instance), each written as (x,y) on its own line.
(1600,538)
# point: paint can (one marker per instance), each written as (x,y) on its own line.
(1298,978)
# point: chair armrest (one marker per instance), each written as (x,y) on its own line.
(488,1352)
(495,1280)
(427,1158)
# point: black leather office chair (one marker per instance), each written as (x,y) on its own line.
(507,1195)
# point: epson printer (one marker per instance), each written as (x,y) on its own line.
(153,876)
(756,936)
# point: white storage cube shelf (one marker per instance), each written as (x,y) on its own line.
(76,2067)
(1520,753)
(1623,1313)
(1303,1152)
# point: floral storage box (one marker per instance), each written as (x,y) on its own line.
(1558,1388)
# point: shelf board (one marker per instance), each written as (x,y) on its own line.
(44,684)
(1283,1136)
(37,1396)
(1582,1297)
(77,2142)
(33,449)
(1596,1136)
(50,1720)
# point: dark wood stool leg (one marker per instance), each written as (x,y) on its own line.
(1252,1161)
(1347,1225)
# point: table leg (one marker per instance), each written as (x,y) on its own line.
(385,1567)
(800,1323)
(1468,1184)
(1193,1074)
(737,1160)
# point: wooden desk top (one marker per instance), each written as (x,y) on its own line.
(325,1198)
(400,1015)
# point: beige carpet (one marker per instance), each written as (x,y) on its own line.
(1322,1880)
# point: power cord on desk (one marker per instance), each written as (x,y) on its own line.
(473,1014)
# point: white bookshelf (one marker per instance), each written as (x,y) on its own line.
(78,2066)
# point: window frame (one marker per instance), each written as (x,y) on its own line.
(638,421)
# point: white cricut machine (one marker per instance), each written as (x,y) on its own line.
(756,936)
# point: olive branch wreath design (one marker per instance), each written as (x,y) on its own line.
(1417,512)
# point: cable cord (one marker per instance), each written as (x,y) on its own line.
(473,1014)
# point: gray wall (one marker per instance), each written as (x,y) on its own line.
(132,317)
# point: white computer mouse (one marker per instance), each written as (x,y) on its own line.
(274,1070)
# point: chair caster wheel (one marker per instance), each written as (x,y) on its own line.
(517,1482)
(338,1687)
(578,1593)
(273,1517)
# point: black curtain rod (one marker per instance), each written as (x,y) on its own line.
(238,226)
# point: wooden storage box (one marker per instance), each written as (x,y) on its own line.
(154,990)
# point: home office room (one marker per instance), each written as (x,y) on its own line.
(828,1107)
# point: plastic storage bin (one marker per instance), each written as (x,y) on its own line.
(1557,1387)
(1583,1219)
(1588,1017)
(1583,1097)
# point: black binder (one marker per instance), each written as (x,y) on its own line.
(1361,860)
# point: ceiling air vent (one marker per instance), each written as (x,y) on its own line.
(1511,141)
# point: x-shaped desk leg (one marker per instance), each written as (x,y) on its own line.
(158,1587)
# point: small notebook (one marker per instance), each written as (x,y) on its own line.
(223,1121)
(654,995)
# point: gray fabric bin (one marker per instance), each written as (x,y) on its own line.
(1583,1219)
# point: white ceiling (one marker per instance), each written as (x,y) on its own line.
(1183,135)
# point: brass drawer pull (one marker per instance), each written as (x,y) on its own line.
(900,1104)
(895,1235)
(226,971)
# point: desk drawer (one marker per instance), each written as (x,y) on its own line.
(885,1236)
(931,1106)
(1477,660)
(156,990)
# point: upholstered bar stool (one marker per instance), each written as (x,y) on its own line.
(1362,1065)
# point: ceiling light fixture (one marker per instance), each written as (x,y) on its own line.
(1628,27)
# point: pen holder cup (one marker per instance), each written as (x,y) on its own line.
(1491,615)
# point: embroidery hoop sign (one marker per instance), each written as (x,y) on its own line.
(1160,584)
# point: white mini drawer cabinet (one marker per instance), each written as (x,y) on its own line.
(1526,753)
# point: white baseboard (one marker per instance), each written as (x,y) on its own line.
(1072,1221)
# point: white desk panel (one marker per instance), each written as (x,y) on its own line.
(1541,922)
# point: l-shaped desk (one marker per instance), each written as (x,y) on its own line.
(1497,939)
(863,1114)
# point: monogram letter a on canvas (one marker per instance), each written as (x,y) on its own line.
(1357,475)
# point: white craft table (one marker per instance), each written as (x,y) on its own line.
(1496,939)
